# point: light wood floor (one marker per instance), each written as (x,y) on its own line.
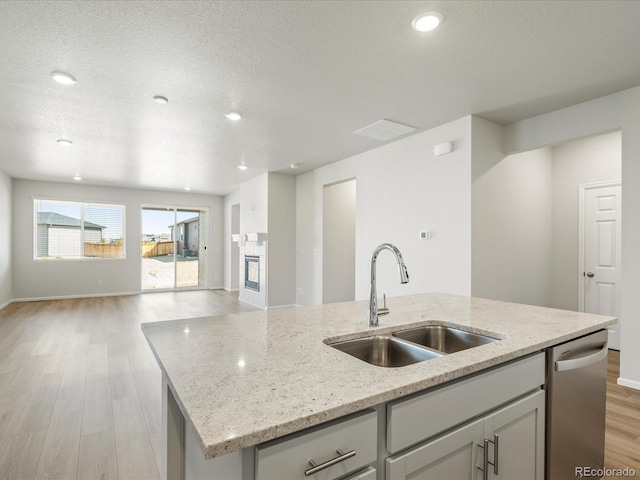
(80,389)
(622,438)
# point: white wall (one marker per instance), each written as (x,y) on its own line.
(281,250)
(402,189)
(6,250)
(587,160)
(254,205)
(230,281)
(512,211)
(617,111)
(339,242)
(79,278)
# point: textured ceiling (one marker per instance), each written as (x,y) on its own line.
(305,75)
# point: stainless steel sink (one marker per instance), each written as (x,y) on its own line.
(385,351)
(444,339)
(414,345)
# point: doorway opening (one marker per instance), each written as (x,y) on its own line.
(526,215)
(339,242)
(174,248)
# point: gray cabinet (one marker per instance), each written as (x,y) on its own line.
(450,457)
(421,416)
(519,429)
(513,436)
(329,451)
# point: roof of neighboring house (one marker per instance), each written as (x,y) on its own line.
(188,220)
(59,220)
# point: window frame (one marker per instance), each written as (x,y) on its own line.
(82,204)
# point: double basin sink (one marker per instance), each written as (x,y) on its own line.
(406,347)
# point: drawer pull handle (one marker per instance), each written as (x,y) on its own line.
(315,468)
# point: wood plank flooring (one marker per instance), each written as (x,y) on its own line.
(622,437)
(80,389)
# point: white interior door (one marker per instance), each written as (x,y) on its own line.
(601,272)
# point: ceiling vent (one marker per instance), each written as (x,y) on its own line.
(384,130)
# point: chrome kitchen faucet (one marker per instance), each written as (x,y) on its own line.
(374,311)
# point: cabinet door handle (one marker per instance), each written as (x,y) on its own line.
(485,458)
(485,463)
(315,468)
(496,448)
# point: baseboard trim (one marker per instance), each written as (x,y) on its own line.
(6,304)
(282,306)
(625,382)
(68,297)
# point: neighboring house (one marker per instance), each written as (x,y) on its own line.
(59,235)
(188,237)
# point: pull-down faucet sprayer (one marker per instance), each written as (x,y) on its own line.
(374,311)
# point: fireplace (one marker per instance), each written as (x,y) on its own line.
(252,272)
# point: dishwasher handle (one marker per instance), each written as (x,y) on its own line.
(564,365)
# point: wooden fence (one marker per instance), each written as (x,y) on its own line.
(156,249)
(103,250)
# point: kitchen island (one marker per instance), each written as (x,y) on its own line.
(236,381)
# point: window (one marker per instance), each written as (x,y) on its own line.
(76,231)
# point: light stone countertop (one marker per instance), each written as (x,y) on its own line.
(247,378)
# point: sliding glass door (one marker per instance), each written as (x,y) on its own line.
(174,248)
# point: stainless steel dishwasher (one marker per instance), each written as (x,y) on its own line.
(576,403)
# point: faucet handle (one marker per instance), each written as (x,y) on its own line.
(384,310)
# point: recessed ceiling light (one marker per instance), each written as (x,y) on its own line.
(294,166)
(235,116)
(242,167)
(160,99)
(187,188)
(426,22)
(77,178)
(64,142)
(63,78)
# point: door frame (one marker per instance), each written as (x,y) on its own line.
(582,192)
(175,209)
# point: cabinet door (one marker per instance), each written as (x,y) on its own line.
(519,429)
(368,473)
(454,456)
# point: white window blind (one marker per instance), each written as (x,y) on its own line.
(75,230)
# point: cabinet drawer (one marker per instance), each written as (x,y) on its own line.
(421,416)
(288,457)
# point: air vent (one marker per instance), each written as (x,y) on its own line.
(384,130)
